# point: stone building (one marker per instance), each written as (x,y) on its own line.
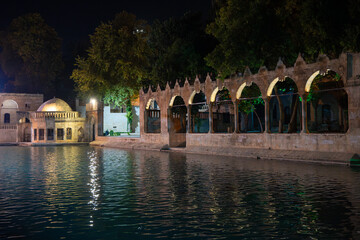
(54,121)
(14,115)
(25,118)
(310,107)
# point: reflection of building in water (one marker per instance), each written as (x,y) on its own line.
(25,118)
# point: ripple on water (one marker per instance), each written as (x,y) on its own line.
(74,192)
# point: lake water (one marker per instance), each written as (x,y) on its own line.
(80,192)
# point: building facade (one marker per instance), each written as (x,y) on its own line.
(310,107)
(26,118)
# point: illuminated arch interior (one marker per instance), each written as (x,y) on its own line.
(213,95)
(310,80)
(239,91)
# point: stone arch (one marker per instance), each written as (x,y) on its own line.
(250,108)
(152,115)
(192,95)
(222,111)
(213,94)
(150,102)
(9,104)
(284,106)
(199,109)
(275,81)
(178,115)
(327,103)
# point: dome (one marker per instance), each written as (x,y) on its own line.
(54,105)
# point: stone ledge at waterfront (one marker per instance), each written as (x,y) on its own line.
(255,153)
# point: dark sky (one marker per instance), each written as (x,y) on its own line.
(77,19)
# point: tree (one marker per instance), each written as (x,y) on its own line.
(117,60)
(178,48)
(249,33)
(31,54)
(257,33)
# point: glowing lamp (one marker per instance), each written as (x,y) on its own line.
(93,101)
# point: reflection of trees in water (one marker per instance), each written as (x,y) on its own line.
(251,202)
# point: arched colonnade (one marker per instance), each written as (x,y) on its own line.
(307,98)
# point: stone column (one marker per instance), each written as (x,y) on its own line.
(189,119)
(304,113)
(169,120)
(236,116)
(211,125)
(267,115)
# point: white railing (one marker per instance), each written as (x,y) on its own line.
(8,126)
(56,115)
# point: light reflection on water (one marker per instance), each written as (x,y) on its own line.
(74,192)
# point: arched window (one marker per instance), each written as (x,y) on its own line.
(199,114)
(285,103)
(152,117)
(327,103)
(223,112)
(251,111)
(7,118)
(178,112)
(68,133)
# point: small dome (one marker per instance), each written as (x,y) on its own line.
(54,105)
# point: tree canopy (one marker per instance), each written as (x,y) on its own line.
(257,33)
(117,60)
(178,46)
(31,55)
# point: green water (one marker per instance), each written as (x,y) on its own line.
(80,192)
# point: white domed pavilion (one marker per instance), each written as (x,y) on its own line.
(55,122)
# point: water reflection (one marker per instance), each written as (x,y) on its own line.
(72,192)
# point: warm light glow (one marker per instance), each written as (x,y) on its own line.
(50,108)
(239,91)
(310,80)
(192,97)
(148,104)
(172,101)
(213,95)
(93,101)
(271,86)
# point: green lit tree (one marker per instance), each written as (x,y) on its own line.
(117,61)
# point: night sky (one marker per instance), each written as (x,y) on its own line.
(76,20)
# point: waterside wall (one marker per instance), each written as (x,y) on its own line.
(347,66)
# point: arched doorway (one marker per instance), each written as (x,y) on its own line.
(178,115)
(327,103)
(284,106)
(177,122)
(251,110)
(223,112)
(27,134)
(152,117)
(199,122)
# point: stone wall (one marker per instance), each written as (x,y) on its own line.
(17,105)
(301,73)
